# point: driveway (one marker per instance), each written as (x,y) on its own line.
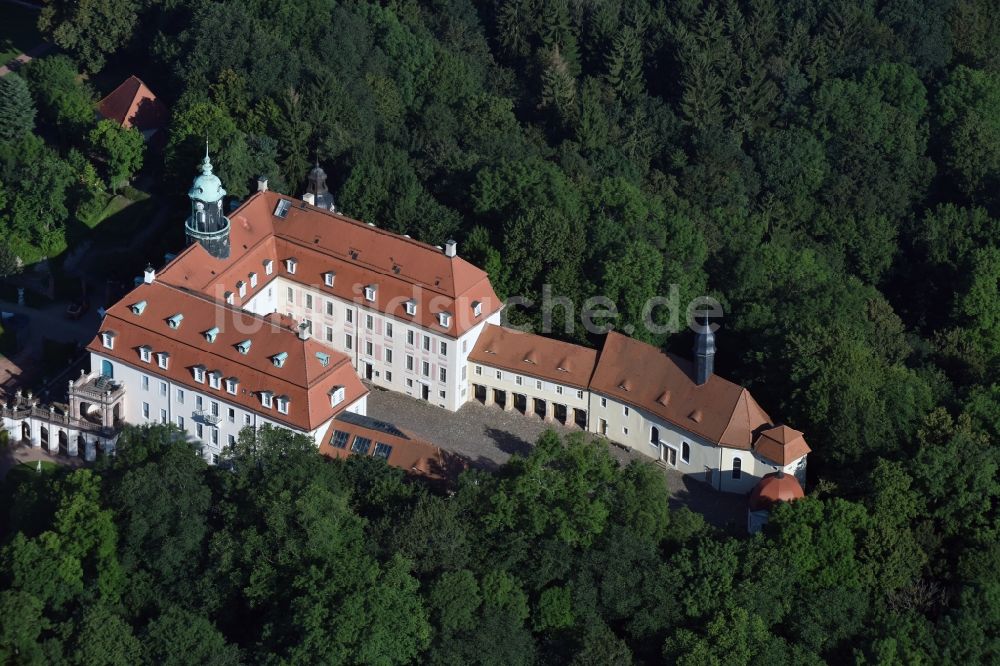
(488,436)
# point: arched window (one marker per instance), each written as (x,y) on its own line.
(654,436)
(737,468)
(686,452)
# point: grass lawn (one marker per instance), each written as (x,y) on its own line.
(17,31)
(28,470)
(119,203)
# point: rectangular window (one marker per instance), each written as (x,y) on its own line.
(215,438)
(361,445)
(409,383)
(442,394)
(328,278)
(215,379)
(411,307)
(579,395)
(268,267)
(163,416)
(444,348)
(161,359)
(291,295)
(232,415)
(309,302)
(427,343)
(180,422)
(329,308)
(350,316)
(465,346)
(265,399)
(370,293)
(625,410)
(479,370)
(409,362)
(231,385)
(283,405)
(442,374)
(538,384)
(369,348)
(145,383)
(388,355)
(246,419)
(215,458)
(388,329)
(329,334)
(215,408)
(163,388)
(737,468)
(231,439)
(559,390)
(199,403)
(382,450)
(145,410)
(499,374)
(180,396)
(253,280)
(199,374)
(427,369)
(685,452)
(146,354)
(517,379)
(369,322)
(465,372)
(200,429)
(409,337)
(349,341)
(388,376)
(339,439)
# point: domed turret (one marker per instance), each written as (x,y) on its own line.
(773,488)
(317,192)
(207,223)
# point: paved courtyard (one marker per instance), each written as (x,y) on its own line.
(488,436)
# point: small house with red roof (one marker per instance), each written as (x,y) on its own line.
(771,490)
(133,104)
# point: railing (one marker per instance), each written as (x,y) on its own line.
(91,391)
(56,418)
(207,417)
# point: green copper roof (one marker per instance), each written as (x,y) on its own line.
(207,187)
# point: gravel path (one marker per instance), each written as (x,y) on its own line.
(487,436)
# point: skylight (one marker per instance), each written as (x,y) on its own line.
(281,210)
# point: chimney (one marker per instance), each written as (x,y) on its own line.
(309,198)
(149,274)
(303,331)
(704,352)
(262,184)
(450,248)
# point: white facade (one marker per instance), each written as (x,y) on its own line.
(208,417)
(390,352)
(552,401)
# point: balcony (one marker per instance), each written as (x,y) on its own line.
(206,417)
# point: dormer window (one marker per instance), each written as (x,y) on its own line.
(253,280)
(108,339)
(241,288)
(444,319)
(243,347)
(137,308)
(175,321)
(265,398)
(199,373)
(336,396)
(477,308)
(281,210)
(370,292)
(215,379)
(279,359)
(211,333)
(291,264)
(268,267)
(411,307)
(282,404)
(146,353)
(323,358)
(229,298)
(162,359)
(231,384)
(328,278)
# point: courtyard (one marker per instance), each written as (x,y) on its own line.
(487,436)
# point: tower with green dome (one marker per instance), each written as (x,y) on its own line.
(207,224)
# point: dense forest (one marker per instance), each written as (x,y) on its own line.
(829,170)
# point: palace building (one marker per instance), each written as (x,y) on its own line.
(284,311)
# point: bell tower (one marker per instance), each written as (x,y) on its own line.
(207,224)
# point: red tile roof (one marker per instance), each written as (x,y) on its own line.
(303,376)
(133,104)
(409,452)
(359,254)
(781,445)
(534,355)
(647,378)
(773,488)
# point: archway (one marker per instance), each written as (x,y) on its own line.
(63,443)
(25,431)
